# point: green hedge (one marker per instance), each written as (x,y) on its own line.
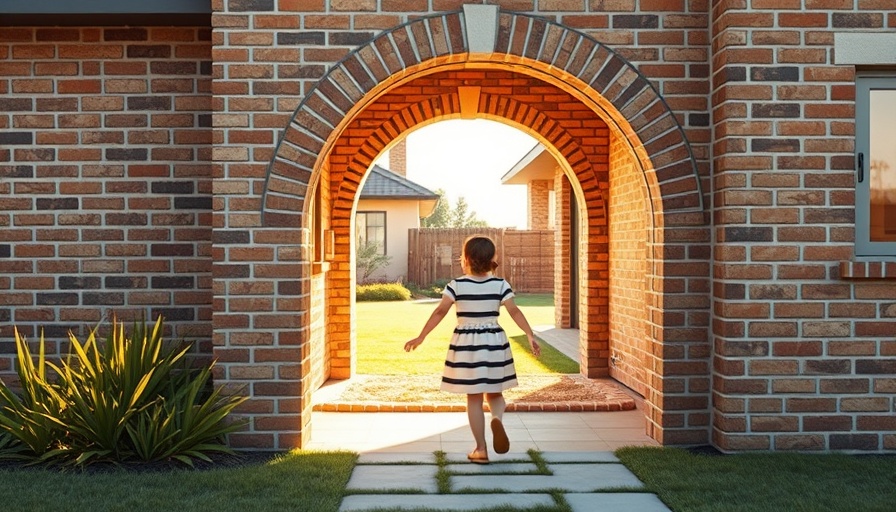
(433,290)
(379,292)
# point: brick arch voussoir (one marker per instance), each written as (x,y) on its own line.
(521,37)
(334,97)
(290,171)
(635,100)
(504,107)
(442,106)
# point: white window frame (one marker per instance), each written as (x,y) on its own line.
(866,82)
(363,239)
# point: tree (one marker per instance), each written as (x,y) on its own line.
(463,218)
(443,216)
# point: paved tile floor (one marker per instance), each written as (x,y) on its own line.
(398,457)
(406,481)
(397,468)
(449,432)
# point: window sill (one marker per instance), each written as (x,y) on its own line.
(868,269)
(319,267)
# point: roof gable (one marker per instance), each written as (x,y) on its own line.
(385,184)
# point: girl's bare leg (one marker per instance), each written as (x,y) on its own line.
(500,442)
(476,416)
(496,404)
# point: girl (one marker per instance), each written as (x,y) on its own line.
(479,360)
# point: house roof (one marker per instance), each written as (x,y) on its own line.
(384,184)
(537,164)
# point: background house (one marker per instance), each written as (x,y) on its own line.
(537,170)
(388,206)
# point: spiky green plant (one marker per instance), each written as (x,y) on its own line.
(132,396)
(182,426)
(31,421)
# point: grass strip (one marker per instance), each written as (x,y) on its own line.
(759,482)
(539,461)
(443,477)
(315,480)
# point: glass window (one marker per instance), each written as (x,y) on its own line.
(370,228)
(875,165)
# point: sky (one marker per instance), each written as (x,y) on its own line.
(467,158)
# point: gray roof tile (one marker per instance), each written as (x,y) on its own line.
(385,184)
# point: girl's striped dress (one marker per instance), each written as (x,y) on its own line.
(479,358)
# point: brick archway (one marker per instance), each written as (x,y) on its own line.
(528,44)
(435,97)
(595,78)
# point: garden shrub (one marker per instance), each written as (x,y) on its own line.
(133,397)
(433,290)
(382,292)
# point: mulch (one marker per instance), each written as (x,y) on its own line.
(420,393)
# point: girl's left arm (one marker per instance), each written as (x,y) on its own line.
(523,324)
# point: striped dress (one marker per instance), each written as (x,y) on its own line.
(479,358)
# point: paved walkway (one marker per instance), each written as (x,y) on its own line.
(398,456)
(564,340)
(582,479)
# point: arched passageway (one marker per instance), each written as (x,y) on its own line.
(643,263)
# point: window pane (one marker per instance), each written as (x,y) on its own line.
(361,228)
(882,165)
(370,227)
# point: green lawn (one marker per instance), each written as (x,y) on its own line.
(315,482)
(295,481)
(762,482)
(384,327)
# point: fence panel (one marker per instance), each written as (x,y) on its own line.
(525,258)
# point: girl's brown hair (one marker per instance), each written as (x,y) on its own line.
(480,252)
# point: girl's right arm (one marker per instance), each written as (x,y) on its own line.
(523,324)
(441,310)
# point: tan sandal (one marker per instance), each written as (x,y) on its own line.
(500,442)
(477,459)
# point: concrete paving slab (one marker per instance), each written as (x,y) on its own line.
(579,457)
(397,458)
(446,502)
(461,458)
(566,477)
(615,502)
(565,434)
(486,469)
(580,446)
(393,478)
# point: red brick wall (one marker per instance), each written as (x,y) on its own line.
(629,223)
(105,182)
(803,357)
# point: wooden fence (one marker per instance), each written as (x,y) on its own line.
(525,258)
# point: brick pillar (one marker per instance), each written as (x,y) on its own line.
(562,296)
(734,236)
(784,216)
(539,203)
